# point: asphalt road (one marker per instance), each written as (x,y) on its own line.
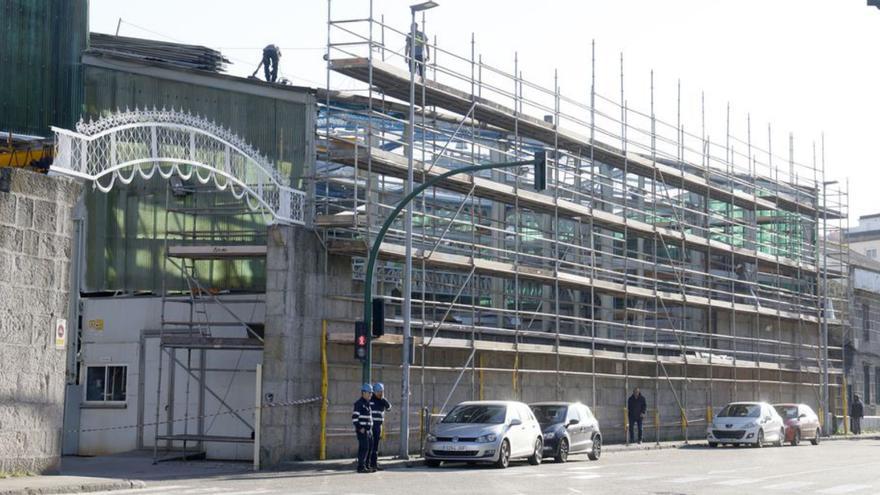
(838,467)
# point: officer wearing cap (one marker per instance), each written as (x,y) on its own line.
(378,405)
(362,418)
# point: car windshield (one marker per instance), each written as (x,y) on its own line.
(550,414)
(477,413)
(740,411)
(787,412)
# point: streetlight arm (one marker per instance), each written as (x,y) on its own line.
(377,243)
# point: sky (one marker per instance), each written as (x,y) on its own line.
(805,67)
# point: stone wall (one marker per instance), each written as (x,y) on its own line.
(35,255)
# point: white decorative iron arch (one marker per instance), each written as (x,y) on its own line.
(128,143)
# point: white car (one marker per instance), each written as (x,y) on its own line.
(486,431)
(751,423)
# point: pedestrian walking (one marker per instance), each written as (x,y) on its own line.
(418,52)
(378,405)
(362,419)
(636,407)
(856,413)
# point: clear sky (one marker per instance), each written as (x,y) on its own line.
(806,66)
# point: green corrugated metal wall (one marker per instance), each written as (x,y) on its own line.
(127,226)
(41,42)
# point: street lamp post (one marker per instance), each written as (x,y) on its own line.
(408,227)
(824,343)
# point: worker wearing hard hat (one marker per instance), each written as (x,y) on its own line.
(378,405)
(362,418)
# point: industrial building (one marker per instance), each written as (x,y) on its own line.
(219,323)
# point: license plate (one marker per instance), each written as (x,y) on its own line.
(458,448)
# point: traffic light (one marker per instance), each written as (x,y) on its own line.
(540,170)
(378,317)
(360,341)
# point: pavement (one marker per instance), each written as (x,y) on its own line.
(834,467)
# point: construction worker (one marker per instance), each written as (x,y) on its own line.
(271,54)
(362,418)
(378,405)
(419,52)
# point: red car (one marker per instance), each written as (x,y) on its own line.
(801,423)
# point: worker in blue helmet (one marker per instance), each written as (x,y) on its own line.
(378,405)
(362,419)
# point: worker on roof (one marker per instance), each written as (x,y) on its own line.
(418,52)
(271,54)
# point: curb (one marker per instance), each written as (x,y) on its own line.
(77,488)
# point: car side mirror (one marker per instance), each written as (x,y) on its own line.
(802,416)
(515,422)
(573,422)
(767,418)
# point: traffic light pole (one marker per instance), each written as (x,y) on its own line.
(540,181)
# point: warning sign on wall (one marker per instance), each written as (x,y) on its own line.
(60,333)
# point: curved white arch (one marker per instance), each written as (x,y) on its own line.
(121,144)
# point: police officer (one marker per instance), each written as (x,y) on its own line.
(378,405)
(362,419)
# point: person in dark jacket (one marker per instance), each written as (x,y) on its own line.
(271,54)
(378,404)
(856,413)
(362,419)
(636,407)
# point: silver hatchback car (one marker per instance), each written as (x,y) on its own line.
(486,431)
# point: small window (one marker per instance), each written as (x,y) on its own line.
(867,388)
(106,383)
(871,253)
(866,322)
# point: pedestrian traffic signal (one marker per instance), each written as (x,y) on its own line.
(360,341)
(540,170)
(378,317)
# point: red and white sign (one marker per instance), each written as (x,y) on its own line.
(60,333)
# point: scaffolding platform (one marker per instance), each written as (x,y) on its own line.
(395,252)
(216,252)
(386,163)
(395,82)
(200,342)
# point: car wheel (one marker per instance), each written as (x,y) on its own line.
(759,443)
(780,440)
(597,449)
(815,440)
(713,444)
(432,463)
(796,437)
(503,455)
(562,451)
(538,455)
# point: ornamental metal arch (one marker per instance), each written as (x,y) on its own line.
(130,143)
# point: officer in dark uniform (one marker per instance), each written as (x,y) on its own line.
(362,419)
(378,405)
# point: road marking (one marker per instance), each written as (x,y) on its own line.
(791,485)
(157,489)
(586,477)
(574,490)
(642,477)
(738,482)
(844,489)
(688,479)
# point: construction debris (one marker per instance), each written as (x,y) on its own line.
(177,54)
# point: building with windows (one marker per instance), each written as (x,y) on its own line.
(864,238)
(862,346)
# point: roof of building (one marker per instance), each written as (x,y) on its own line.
(176,54)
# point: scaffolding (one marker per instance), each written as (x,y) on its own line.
(194,244)
(656,254)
